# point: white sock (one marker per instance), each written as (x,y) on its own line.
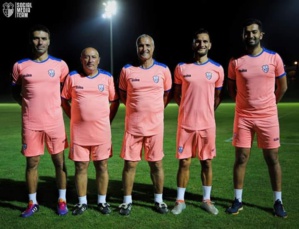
(206,192)
(82,199)
(181,193)
(127,199)
(101,199)
(277,196)
(62,194)
(32,197)
(158,198)
(238,194)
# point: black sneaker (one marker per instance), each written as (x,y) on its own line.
(104,208)
(235,208)
(125,208)
(161,207)
(279,210)
(79,209)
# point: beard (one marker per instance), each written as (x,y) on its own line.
(252,43)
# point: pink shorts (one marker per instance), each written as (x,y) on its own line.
(33,141)
(90,153)
(133,145)
(266,129)
(200,143)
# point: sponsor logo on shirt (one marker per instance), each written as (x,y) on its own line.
(208,75)
(156,79)
(133,80)
(79,87)
(265,68)
(187,76)
(242,70)
(101,87)
(51,72)
(26,75)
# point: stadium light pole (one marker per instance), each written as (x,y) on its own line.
(110,11)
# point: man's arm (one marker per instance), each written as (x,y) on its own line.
(123,96)
(232,88)
(113,109)
(281,88)
(217,99)
(66,106)
(167,97)
(16,93)
(177,92)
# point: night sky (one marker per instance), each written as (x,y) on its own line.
(76,24)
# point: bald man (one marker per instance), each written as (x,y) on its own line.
(94,104)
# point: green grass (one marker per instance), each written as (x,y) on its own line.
(257,195)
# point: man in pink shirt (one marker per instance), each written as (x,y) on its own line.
(36,87)
(144,89)
(257,82)
(197,88)
(91,103)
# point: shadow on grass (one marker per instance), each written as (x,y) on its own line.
(12,192)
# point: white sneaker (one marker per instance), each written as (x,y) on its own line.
(178,208)
(209,207)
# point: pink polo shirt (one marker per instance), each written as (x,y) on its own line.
(145,90)
(90,106)
(40,81)
(255,79)
(199,82)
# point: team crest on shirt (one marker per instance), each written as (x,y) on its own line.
(156,79)
(180,149)
(101,87)
(51,72)
(265,68)
(208,75)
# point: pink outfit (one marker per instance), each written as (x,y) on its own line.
(199,82)
(196,120)
(90,107)
(256,109)
(145,105)
(255,78)
(41,106)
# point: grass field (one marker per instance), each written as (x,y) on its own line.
(257,195)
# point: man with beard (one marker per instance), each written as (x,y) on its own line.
(257,82)
(36,86)
(197,88)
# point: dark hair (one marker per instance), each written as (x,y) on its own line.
(200,31)
(251,21)
(38,27)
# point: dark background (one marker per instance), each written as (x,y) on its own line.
(76,24)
